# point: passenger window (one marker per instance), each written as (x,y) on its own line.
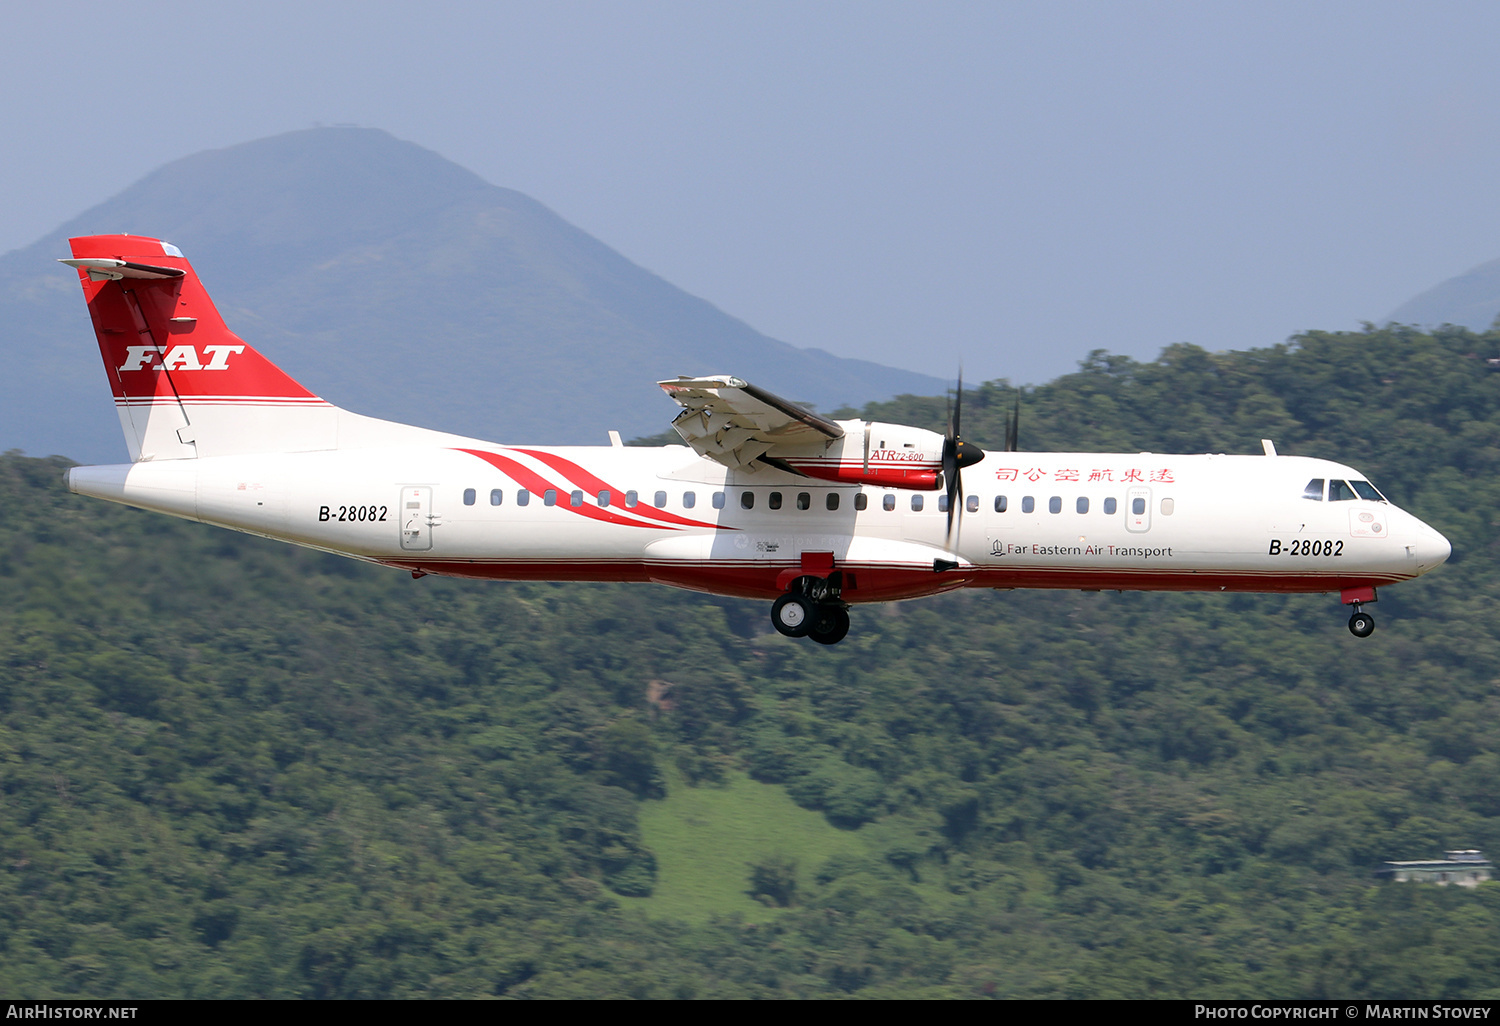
(718,500)
(1028,504)
(1314,490)
(972,504)
(943,503)
(523,498)
(1137,505)
(1054,504)
(888,502)
(1339,491)
(1110,505)
(632,497)
(1001,505)
(1367,491)
(603,496)
(1082,505)
(468,496)
(496,496)
(575,498)
(861,501)
(549,497)
(916,504)
(747,500)
(804,500)
(774,501)
(832,502)
(660,499)
(689,500)
(1167,506)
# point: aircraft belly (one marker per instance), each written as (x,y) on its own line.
(759,565)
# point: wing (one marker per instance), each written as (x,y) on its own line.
(735,423)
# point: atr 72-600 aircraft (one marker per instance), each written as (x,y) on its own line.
(770,500)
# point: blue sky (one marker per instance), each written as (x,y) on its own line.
(1006,184)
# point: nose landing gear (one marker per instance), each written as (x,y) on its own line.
(811,608)
(1361,624)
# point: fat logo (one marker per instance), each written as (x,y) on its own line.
(178,358)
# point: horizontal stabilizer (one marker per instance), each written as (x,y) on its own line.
(105,269)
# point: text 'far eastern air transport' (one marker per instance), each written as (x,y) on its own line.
(767,500)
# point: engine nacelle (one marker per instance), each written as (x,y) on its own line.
(872,453)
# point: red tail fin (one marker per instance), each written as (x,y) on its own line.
(180,376)
(160,335)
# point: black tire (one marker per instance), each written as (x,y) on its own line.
(832,625)
(1361,625)
(793,615)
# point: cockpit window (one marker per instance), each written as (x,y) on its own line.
(1367,491)
(1339,491)
(1314,490)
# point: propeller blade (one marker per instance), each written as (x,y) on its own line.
(958,404)
(954,486)
(957,454)
(1013,429)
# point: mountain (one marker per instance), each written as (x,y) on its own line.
(393,282)
(1472,299)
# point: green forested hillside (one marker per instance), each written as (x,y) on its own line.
(233,768)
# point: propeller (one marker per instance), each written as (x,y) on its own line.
(1013,429)
(957,454)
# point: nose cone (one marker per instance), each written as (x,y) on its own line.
(1430,548)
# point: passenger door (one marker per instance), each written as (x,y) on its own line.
(416,519)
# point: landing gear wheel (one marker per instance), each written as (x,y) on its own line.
(793,615)
(832,624)
(1361,625)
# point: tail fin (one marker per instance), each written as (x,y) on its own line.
(184,384)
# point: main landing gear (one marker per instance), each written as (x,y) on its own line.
(1361,624)
(811,608)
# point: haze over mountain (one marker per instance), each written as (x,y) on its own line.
(1471,299)
(395,283)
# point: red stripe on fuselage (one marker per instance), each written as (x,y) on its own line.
(877,583)
(576,474)
(538,484)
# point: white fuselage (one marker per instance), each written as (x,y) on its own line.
(768,498)
(1069,520)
